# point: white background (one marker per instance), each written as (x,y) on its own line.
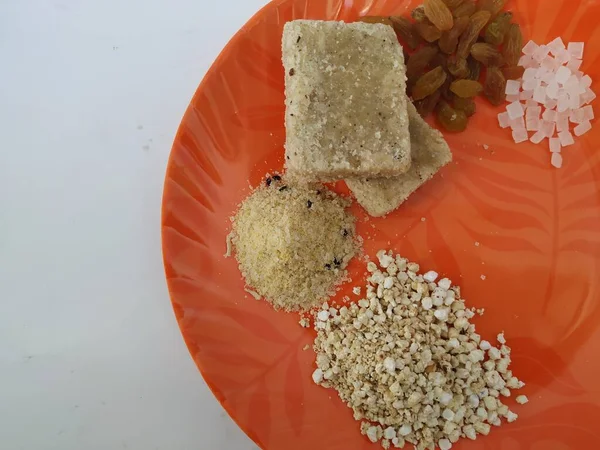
(91,94)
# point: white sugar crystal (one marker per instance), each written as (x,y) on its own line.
(552,90)
(588,112)
(512,87)
(555,145)
(533,111)
(525,95)
(548,77)
(537,137)
(563,102)
(515,110)
(503,120)
(562,57)
(562,122)
(531,84)
(556,45)
(588,96)
(550,103)
(532,124)
(585,81)
(556,160)
(566,138)
(577,116)
(549,115)
(531,102)
(582,128)
(548,128)
(549,63)
(529,73)
(526,61)
(574,101)
(539,94)
(530,48)
(576,49)
(574,64)
(540,53)
(520,136)
(562,74)
(517,124)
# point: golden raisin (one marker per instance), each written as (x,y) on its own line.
(429,83)
(439,14)
(406,29)
(487,54)
(494,86)
(452,4)
(513,45)
(476,23)
(449,39)
(427,105)
(466,88)
(418,61)
(428,31)
(496,30)
(375,19)
(465,104)
(493,6)
(418,14)
(466,8)
(458,67)
(513,72)
(474,68)
(451,119)
(439,60)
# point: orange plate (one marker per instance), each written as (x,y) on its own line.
(501,213)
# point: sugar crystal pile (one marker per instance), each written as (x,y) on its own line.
(552,98)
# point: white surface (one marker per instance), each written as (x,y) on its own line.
(91,94)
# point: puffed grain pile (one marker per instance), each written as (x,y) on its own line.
(409,363)
(293,243)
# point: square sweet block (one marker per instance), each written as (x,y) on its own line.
(345,86)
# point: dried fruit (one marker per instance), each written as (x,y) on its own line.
(406,29)
(427,105)
(458,67)
(487,54)
(465,104)
(466,88)
(494,86)
(439,14)
(418,14)
(496,30)
(513,45)
(466,8)
(429,83)
(428,31)
(453,3)
(439,60)
(513,72)
(474,68)
(493,6)
(375,19)
(447,94)
(451,119)
(418,61)
(449,39)
(476,23)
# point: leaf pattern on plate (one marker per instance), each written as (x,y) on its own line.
(534,225)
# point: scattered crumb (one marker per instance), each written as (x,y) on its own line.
(423,219)
(304,322)
(254,294)
(228,245)
(356,290)
(476,244)
(306,347)
(483,277)
(485,146)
